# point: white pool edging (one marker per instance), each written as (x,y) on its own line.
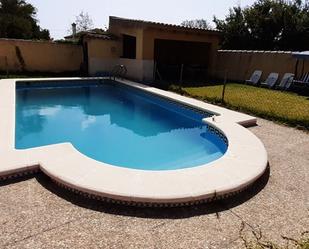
(244,161)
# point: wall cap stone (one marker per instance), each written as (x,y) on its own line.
(254,51)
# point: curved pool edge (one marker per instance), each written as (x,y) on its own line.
(71,169)
(243,163)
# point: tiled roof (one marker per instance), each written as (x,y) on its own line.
(94,33)
(105,36)
(162,25)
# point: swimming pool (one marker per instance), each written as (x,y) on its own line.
(115,124)
(126,142)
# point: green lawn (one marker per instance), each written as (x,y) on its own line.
(285,107)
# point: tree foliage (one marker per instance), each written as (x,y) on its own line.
(267,25)
(197,23)
(83,22)
(17,20)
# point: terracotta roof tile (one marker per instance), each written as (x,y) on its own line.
(162,25)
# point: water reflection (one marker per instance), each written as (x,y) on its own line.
(124,110)
(115,125)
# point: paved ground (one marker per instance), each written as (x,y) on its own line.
(35,213)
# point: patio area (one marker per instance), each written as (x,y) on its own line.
(36,213)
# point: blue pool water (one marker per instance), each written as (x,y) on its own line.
(114,124)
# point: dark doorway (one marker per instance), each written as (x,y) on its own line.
(170,55)
(129,47)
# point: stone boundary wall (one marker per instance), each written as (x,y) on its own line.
(240,64)
(39,56)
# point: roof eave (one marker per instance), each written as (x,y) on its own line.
(147,24)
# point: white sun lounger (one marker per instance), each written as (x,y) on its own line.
(286,81)
(255,77)
(303,80)
(271,80)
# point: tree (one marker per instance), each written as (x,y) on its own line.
(267,25)
(197,23)
(17,20)
(83,22)
(234,29)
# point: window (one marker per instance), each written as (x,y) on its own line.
(129,47)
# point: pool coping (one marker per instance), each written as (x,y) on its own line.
(243,163)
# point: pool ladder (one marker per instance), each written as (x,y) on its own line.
(119,71)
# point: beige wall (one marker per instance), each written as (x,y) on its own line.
(140,70)
(145,40)
(120,30)
(41,56)
(98,48)
(241,64)
(103,55)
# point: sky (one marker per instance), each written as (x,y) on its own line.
(57,15)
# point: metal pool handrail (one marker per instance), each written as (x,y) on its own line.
(118,71)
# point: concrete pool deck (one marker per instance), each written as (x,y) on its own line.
(36,213)
(243,163)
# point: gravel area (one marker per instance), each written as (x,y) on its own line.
(36,213)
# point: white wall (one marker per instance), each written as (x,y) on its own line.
(140,70)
